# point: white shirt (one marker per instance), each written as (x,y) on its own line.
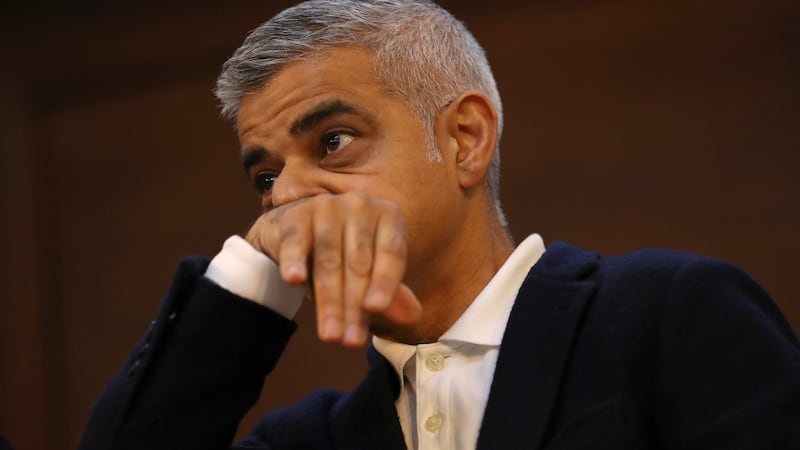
(250,274)
(444,385)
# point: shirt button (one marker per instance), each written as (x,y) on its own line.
(434,423)
(434,362)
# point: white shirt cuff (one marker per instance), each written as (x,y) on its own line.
(250,274)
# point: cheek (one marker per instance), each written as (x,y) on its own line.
(431,205)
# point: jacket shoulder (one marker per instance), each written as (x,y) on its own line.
(568,262)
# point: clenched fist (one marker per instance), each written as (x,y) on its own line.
(355,248)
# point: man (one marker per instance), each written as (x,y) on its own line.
(371,130)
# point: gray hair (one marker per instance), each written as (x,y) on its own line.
(423,55)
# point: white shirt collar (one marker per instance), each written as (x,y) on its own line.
(484,321)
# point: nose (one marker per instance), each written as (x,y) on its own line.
(295,181)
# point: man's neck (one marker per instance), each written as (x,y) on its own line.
(461,276)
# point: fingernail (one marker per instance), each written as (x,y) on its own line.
(354,335)
(333,328)
(295,271)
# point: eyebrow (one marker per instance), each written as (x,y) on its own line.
(303,124)
(312,118)
(252,157)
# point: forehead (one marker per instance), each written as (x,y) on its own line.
(343,74)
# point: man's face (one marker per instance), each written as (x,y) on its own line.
(324,125)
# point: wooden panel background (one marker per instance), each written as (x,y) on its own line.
(629,124)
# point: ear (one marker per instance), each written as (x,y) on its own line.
(470,122)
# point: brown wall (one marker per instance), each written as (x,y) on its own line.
(629,124)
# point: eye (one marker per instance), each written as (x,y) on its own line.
(264,181)
(333,142)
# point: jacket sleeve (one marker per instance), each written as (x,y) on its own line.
(729,365)
(197,371)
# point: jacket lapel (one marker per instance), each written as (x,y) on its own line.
(366,419)
(535,349)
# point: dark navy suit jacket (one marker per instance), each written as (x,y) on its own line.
(652,350)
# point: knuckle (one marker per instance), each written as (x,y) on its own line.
(283,214)
(395,244)
(328,263)
(327,255)
(324,201)
(260,235)
(358,198)
(323,289)
(384,282)
(275,215)
(288,232)
(359,260)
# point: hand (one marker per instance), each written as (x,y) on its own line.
(355,247)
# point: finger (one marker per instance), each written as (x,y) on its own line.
(404,309)
(258,235)
(389,265)
(357,330)
(292,249)
(404,312)
(284,234)
(271,231)
(358,244)
(327,269)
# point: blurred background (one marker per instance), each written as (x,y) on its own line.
(629,124)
